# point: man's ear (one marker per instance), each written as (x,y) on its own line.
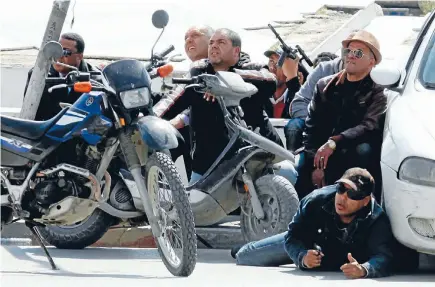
(237,51)
(80,56)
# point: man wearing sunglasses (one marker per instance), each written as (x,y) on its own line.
(337,228)
(345,117)
(73,48)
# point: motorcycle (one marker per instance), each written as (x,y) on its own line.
(243,174)
(102,129)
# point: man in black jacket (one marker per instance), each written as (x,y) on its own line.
(207,120)
(345,118)
(339,227)
(73,47)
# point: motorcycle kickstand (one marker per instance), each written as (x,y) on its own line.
(36,233)
(203,241)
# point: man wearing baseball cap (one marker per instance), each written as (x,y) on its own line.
(345,118)
(339,227)
(289,81)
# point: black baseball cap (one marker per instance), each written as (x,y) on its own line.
(361,182)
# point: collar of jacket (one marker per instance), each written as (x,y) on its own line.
(365,213)
(340,77)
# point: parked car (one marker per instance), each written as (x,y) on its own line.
(408,151)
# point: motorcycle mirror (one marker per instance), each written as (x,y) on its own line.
(160,19)
(52,50)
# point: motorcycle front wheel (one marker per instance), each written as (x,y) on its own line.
(177,244)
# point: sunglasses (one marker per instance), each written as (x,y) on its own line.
(351,193)
(67,52)
(358,53)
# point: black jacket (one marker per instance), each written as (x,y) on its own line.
(368,237)
(49,104)
(207,120)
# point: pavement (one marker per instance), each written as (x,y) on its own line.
(28,266)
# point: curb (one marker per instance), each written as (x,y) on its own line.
(221,237)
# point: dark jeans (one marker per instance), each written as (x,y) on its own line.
(293,134)
(362,156)
(183,149)
(266,252)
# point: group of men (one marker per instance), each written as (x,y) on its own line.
(335,127)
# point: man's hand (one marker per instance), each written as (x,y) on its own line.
(208,96)
(322,156)
(301,78)
(290,68)
(313,259)
(177,122)
(353,270)
(318,178)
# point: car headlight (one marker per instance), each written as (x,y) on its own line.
(418,170)
(135,98)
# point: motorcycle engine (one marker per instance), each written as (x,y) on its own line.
(55,187)
(52,190)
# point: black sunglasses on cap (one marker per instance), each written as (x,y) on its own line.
(351,193)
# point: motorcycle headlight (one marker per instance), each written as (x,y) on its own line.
(418,170)
(135,98)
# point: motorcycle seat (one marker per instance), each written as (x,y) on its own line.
(28,129)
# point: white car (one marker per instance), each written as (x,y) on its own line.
(408,151)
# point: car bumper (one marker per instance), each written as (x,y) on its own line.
(411,209)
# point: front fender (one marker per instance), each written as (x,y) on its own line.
(158,134)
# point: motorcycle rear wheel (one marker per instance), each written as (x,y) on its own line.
(175,217)
(80,235)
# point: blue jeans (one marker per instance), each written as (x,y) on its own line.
(293,133)
(286,170)
(266,252)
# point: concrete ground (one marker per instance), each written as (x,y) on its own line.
(24,266)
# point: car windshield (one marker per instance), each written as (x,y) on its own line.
(427,70)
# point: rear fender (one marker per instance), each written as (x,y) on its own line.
(158,134)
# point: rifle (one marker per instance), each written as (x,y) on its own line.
(291,53)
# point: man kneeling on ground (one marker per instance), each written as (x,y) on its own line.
(338,227)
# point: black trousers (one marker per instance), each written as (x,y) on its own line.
(183,149)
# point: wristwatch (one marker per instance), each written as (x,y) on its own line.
(332,144)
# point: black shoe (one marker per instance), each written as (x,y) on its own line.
(236,249)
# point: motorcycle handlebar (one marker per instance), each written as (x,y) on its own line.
(165,52)
(185,81)
(55,80)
